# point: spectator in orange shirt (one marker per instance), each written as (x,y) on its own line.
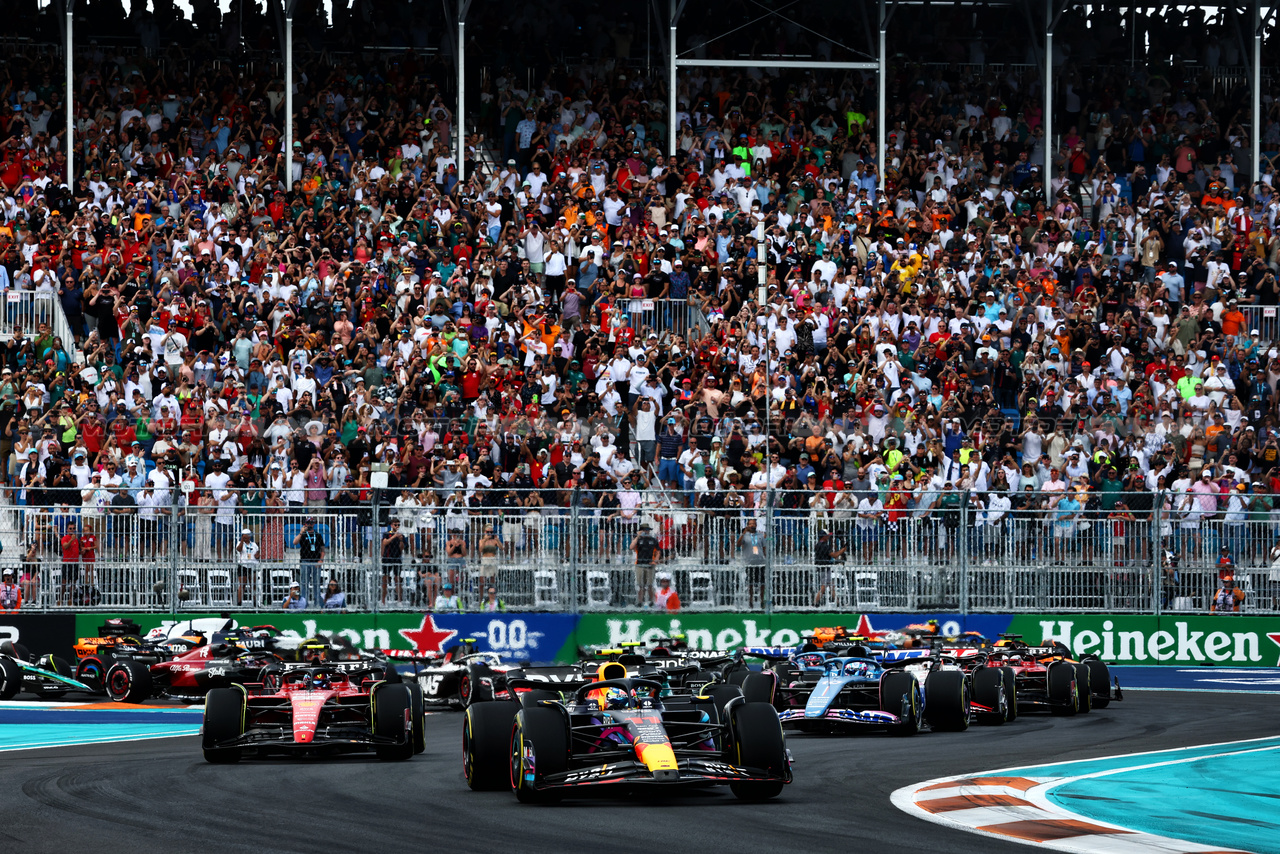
(1233,319)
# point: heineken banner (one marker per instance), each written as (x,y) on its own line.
(1232,640)
(522,637)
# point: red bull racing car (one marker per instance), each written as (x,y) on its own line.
(618,732)
(316,709)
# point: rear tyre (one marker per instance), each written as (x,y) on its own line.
(530,699)
(1061,683)
(90,671)
(760,687)
(1084,688)
(129,681)
(486,742)
(10,679)
(894,686)
(946,701)
(15,650)
(223,721)
(393,718)
(1010,694)
(720,694)
(544,732)
(419,723)
(758,743)
(988,690)
(1099,683)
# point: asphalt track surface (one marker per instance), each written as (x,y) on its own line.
(160,795)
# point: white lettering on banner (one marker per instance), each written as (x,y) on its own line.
(949,629)
(518,634)
(373,638)
(755,637)
(1188,645)
(728,639)
(1246,647)
(1085,642)
(785,637)
(1215,646)
(1159,644)
(1108,641)
(497,634)
(652,636)
(1133,646)
(512,635)
(700,639)
(618,635)
(9,633)
(1063,634)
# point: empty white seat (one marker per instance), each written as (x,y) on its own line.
(221,591)
(702,590)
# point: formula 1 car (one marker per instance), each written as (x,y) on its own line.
(48,677)
(232,656)
(465,675)
(1044,679)
(619,732)
(321,709)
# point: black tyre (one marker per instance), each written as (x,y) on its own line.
(1084,688)
(1099,683)
(760,687)
(544,731)
(91,672)
(129,681)
(393,718)
(946,701)
(1061,684)
(736,675)
(15,650)
(988,690)
(10,679)
(530,699)
(894,686)
(419,722)
(223,721)
(486,744)
(758,743)
(720,694)
(1010,693)
(466,689)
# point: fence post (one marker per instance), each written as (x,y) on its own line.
(768,547)
(962,552)
(372,580)
(572,533)
(171,583)
(1157,554)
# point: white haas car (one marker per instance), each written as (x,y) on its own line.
(987,694)
(465,675)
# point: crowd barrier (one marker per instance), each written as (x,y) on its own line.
(571,551)
(1171,639)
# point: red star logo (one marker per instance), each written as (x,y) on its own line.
(1275,639)
(864,628)
(426,637)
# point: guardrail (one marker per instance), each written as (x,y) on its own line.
(1262,318)
(561,550)
(27,310)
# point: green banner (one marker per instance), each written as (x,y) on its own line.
(1190,639)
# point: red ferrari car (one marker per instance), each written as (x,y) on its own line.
(318,710)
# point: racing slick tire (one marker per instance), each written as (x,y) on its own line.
(544,731)
(419,721)
(760,687)
(893,685)
(486,745)
(757,742)
(1084,687)
(390,704)
(10,679)
(1064,694)
(15,650)
(530,699)
(1010,694)
(946,701)
(91,672)
(223,721)
(988,691)
(128,681)
(58,665)
(1099,682)
(720,694)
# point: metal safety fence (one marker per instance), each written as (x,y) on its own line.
(575,550)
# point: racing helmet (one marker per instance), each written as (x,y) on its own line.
(616,698)
(319,682)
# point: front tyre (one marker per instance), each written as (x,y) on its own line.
(393,718)
(946,701)
(758,744)
(486,738)
(129,681)
(539,746)
(10,678)
(1099,683)
(224,710)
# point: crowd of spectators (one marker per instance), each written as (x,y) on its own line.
(930,324)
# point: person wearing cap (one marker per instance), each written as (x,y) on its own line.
(647,551)
(310,544)
(393,548)
(294,600)
(447,602)
(246,552)
(665,597)
(10,592)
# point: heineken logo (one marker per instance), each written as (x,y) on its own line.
(1190,639)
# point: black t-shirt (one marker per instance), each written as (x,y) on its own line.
(311,545)
(646,548)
